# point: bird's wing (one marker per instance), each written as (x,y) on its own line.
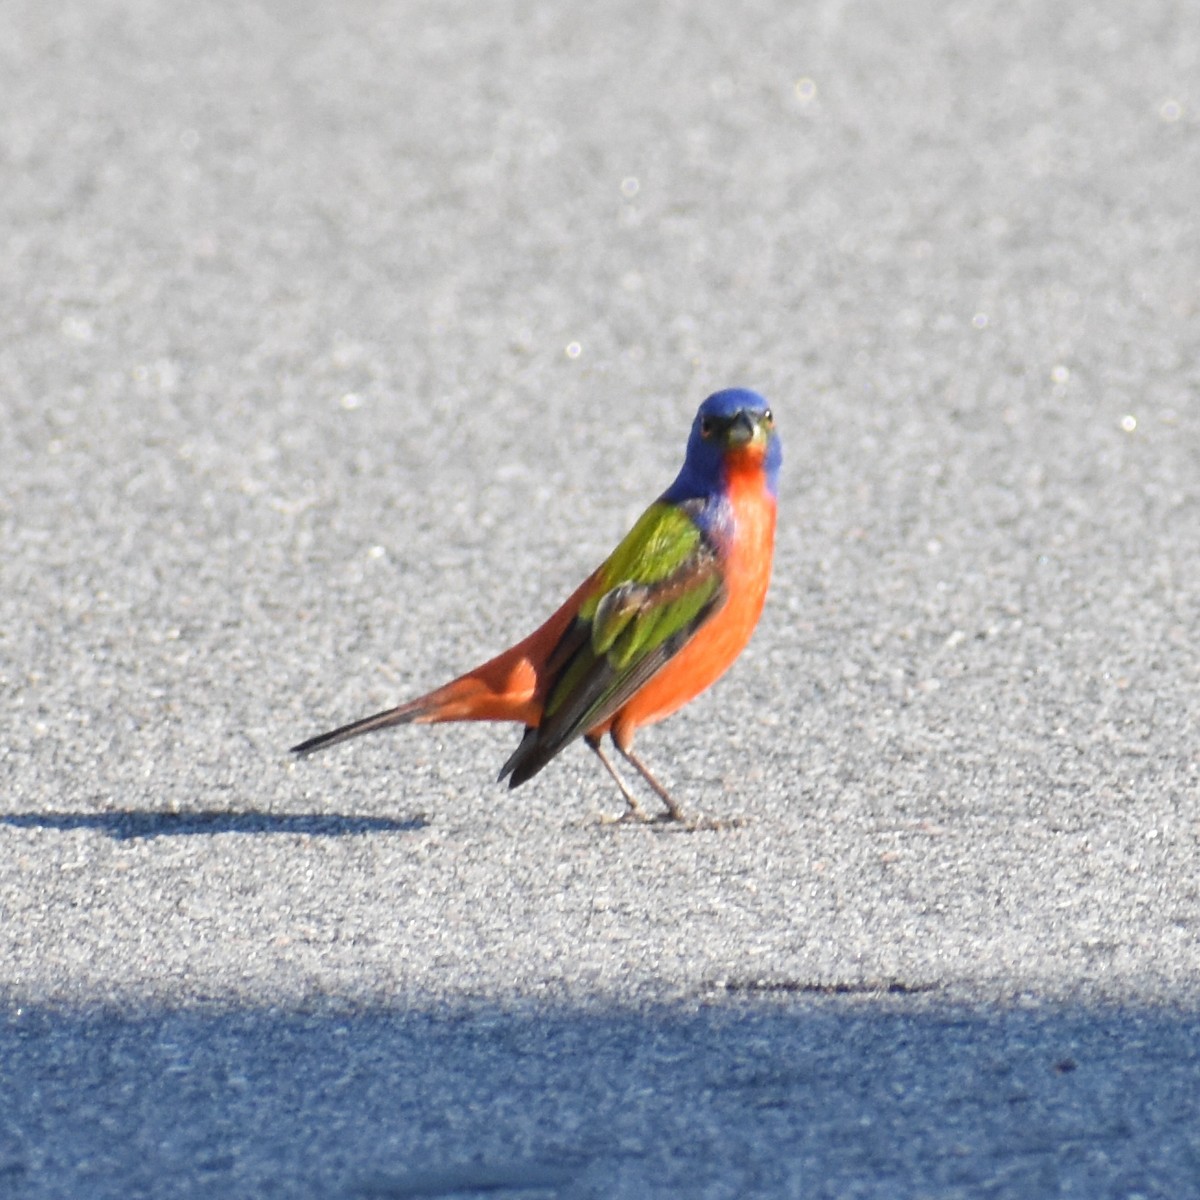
(656,589)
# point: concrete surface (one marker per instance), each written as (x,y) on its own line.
(340,341)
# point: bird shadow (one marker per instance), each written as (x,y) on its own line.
(133,824)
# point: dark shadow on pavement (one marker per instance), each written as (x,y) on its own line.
(128,824)
(823,1098)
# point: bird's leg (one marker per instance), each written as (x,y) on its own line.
(673,809)
(635,811)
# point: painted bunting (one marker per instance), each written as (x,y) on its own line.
(662,618)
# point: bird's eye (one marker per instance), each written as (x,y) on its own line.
(706,427)
(768,418)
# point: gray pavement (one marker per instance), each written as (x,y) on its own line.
(340,342)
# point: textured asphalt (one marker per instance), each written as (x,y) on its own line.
(340,341)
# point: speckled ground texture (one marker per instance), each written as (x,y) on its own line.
(340,341)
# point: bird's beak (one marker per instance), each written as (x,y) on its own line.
(741,429)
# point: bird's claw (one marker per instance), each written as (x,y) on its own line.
(672,822)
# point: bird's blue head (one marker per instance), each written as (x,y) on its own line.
(734,431)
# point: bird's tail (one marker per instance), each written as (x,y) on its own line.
(500,690)
(505,688)
(402,715)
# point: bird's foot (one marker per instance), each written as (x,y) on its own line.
(672,822)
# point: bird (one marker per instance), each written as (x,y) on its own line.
(658,622)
